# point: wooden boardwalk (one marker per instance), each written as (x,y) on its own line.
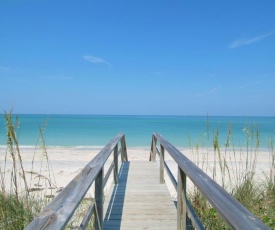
(139,201)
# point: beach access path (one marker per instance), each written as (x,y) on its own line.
(139,201)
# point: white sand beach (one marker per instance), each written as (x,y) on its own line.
(66,162)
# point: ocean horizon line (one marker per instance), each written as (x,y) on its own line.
(97,130)
(139,115)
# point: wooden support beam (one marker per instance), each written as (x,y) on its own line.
(106,178)
(161,173)
(124,156)
(99,194)
(153,149)
(116,164)
(181,203)
(230,210)
(87,217)
(124,148)
(59,211)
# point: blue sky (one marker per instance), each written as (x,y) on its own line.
(161,57)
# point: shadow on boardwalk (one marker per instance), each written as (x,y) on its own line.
(115,208)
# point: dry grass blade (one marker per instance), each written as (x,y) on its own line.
(258,196)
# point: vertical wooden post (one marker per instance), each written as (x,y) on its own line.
(116,164)
(153,149)
(181,203)
(125,148)
(161,172)
(124,156)
(99,200)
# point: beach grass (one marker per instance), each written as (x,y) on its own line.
(19,202)
(257,194)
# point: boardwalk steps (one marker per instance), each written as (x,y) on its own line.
(139,201)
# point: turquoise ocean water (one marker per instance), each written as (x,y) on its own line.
(97,130)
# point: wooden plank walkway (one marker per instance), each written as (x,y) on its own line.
(139,201)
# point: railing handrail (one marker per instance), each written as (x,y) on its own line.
(59,211)
(230,210)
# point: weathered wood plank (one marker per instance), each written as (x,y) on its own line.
(139,201)
(57,214)
(137,224)
(87,217)
(190,210)
(153,149)
(124,155)
(116,164)
(108,174)
(161,166)
(99,194)
(181,203)
(231,211)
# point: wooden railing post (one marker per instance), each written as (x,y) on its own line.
(237,216)
(161,173)
(153,149)
(99,200)
(124,156)
(116,164)
(181,203)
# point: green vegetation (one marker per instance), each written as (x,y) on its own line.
(235,170)
(19,203)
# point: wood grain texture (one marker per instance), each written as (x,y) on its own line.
(190,210)
(106,178)
(181,201)
(87,217)
(99,194)
(153,149)
(161,165)
(139,201)
(116,164)
(59,211)
(231,211)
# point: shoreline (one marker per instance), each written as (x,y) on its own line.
(66,162)
(181,148)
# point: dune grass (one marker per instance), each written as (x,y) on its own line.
(20,199)
(19,202)
(256,194)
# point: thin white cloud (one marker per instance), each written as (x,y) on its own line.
(95,60)
(250,41)
(58,77)
(4,69)
(215,90)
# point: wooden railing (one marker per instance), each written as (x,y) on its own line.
(230,210)
(60,210)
